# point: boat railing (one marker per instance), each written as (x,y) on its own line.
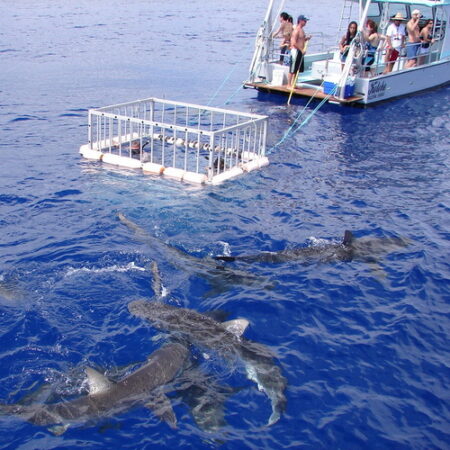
(315,45)
(379,64)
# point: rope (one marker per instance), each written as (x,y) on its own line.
(293,129)
(232,95)
(221,86)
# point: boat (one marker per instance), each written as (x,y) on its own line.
(353,82)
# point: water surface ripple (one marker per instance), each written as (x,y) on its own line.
(363,343)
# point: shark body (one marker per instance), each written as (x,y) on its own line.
(107,398)
(365,249)
(219,277)
(222,338)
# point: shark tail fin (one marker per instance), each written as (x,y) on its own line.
(274,418)
(225,258)
(348,237)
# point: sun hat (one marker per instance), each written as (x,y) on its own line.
(302,17)
(398,16)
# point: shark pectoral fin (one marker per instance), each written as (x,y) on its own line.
(236,326)
(97,382)
(58,430)
(160,405)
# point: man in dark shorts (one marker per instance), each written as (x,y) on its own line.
(298,43)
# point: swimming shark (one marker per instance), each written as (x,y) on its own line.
(366,249)
(219,277)
(225,339)
(204,396)
(144,386)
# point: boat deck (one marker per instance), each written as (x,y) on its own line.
(302,92)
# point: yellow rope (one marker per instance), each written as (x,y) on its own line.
(296,75)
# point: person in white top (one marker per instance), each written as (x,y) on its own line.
(395,41)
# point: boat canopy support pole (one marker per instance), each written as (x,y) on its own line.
(356,43)
(259,64)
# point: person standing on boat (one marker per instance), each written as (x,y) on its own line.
(372,38)
(426,37)
(395,41)
(344,44)
(285,31)
(413,45)
(298,49)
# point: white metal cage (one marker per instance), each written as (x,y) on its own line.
(194,143)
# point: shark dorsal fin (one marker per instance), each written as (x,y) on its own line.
(236,326)
(348,237)
(97,382)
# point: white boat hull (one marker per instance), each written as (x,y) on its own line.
(397,84)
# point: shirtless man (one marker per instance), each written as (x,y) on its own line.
(298,43)
(413,45)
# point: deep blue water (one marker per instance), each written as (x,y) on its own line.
(364,347)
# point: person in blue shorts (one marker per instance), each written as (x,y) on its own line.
(413,44)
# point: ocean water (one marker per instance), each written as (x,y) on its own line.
(363,344)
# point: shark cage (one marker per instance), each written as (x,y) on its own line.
(187,142)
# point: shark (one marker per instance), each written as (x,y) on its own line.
(219,277)
(202,393)
(223,338)
(144,386)
(169,368)
(366,249)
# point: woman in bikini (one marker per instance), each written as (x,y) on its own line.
(372,38)
(426,39)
